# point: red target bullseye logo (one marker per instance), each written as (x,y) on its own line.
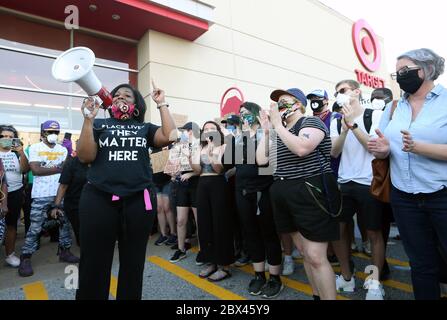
(366,46)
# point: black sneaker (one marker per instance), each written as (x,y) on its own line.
(172,240)
(178,255)
(272,289)
(161,240)
(256,285)
(241,262)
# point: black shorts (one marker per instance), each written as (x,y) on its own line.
(15,202)
(358,199)
(186,194)
(294,209)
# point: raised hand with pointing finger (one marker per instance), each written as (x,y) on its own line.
(157,94)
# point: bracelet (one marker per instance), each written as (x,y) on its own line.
(165,104)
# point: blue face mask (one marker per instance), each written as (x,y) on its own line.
(231,128)
(184,137)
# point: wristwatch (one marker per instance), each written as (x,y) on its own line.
(353,127)
(165,104)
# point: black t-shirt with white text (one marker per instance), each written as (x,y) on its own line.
(122,164)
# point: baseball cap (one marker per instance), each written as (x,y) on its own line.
(190,126)
(51,125)
(232,119)
(320,93)
(294,92)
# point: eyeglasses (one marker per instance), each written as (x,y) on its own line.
(52,132)
(286,104)
(404,71)
(342,91)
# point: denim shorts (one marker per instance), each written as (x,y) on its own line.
(163,190)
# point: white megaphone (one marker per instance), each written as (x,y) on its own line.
(76,65)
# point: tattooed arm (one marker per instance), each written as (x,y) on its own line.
(303,145)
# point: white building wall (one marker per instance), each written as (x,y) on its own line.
(255,45)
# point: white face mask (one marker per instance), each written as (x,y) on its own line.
(343,99)
(52,138)
(378,104)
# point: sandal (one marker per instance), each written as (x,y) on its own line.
(208,271)
(219,275)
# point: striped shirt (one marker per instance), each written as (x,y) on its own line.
(289,166)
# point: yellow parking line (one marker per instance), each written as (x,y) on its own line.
(293,284)
(203,284)
(113,286)
(389,283)
(35,291)
(390,260)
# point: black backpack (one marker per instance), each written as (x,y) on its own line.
(367,121)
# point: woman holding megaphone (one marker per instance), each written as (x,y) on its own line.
(118,203)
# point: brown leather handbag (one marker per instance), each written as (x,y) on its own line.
(381,182)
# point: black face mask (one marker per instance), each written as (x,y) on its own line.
(317,105)
(410,82)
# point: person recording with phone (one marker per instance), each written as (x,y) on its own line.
(119,201)
(16,164)
(215,224)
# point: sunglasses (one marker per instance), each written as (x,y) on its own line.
(342,91)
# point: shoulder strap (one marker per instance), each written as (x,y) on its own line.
(17,155)
(367,119)
(339,124)
(298,125)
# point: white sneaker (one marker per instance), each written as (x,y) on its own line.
(12,260)
(344,286)
(375,290)
(288,267)
(296,254)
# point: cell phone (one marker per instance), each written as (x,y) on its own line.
(67,136)
(16,142)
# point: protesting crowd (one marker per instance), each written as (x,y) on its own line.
(260,187)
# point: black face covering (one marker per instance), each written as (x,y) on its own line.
(317,105)
(410,82)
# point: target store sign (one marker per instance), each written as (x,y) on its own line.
(368,50)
